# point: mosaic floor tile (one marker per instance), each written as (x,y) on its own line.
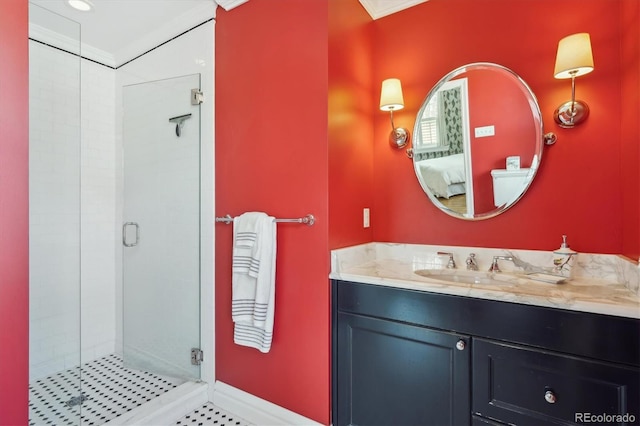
(210,415)
(107,389)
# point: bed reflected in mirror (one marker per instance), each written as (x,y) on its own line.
(445,178)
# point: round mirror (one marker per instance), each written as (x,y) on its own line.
(477,141)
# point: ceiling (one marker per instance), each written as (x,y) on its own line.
(116,31)
(379,8)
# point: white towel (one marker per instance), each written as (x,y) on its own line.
(245,228)
(243,262)
(254,267)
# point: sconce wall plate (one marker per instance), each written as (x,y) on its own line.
(399,137)
(571,113)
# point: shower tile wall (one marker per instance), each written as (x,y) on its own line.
(54,214)
(99,226)
(53,211)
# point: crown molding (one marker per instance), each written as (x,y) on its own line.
(230,4)
(69,44)
(166,32)
(379,8)
(55,39)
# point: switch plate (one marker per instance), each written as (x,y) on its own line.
(483,132)
(365,217)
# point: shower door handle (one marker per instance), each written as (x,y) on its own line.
(124,234)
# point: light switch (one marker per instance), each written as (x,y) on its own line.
(483,132)
(365,217)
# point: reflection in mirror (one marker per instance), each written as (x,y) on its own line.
(477,141)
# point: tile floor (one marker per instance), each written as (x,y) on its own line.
(109,390)
(210,415)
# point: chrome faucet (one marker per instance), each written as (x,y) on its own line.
(527,267)
(472,265)
(452,263)
(494,264)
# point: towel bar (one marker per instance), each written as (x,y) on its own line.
(307,220)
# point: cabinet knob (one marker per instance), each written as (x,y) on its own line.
(550,397)
(460,345)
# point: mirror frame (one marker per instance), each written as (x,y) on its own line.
(539,138)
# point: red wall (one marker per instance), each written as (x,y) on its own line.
(353,99)
(271,155)
(277,51)
(630,118)
(496,100)
(14,213)
(579,189)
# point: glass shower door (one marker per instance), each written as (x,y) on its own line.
(161,230)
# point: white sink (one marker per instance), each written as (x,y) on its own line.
(491,278)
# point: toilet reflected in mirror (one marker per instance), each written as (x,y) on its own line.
(509,185)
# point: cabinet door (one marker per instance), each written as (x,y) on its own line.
(526,386)
(390,373)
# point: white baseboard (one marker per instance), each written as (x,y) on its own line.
(165,409)
(256,410)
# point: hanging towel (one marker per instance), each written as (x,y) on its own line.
(253,280)
(244,265)
(244,230)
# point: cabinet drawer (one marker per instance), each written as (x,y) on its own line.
(609,338)
(521,385)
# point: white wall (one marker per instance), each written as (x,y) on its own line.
(98,211)
(54,202)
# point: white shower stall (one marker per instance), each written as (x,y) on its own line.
(104,153)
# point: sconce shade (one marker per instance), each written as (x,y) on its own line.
(391,95)
(574,57)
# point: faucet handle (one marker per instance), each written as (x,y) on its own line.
(472,265)
(494,265)
(452,263)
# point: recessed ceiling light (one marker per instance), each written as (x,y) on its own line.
(82,5)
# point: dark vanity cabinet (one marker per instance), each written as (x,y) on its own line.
(391,373)
(404,357)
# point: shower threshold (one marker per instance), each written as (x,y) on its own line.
(108,391)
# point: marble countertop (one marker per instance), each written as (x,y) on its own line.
(393,265)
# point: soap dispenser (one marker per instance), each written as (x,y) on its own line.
(563,259)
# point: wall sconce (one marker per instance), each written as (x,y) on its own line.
(574,58)
(391,100)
